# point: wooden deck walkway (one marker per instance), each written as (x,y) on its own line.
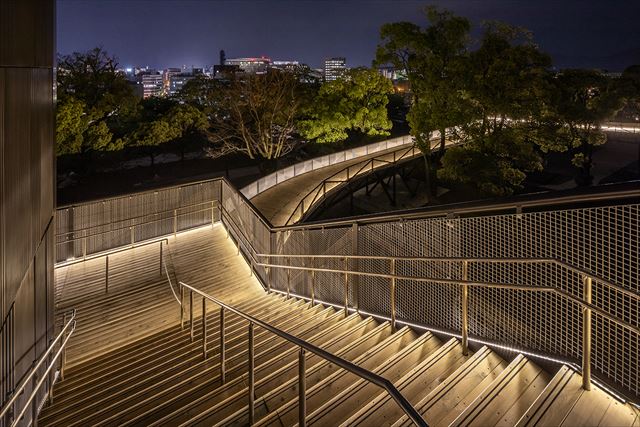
(278,202)
(141,304)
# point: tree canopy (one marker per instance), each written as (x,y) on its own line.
(357,102)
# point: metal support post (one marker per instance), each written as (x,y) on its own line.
(586,335)
(465,309)
(204,328)
(106,274)
(181,306)
(268,271)
(288,277)
(346,287)
(175,223)
(160,257)
(191,313)
(393,294)
(131,230)
(222,347)
(251,377)
(302,389)
(84,248)
(313,282)
(212,221)
(356,278)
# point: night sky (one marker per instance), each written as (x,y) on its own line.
(168,33)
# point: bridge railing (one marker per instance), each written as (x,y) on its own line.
(603,240)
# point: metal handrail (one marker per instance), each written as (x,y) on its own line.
(364,165)
(126,227)
(69,327)
(372,377)
(111,252)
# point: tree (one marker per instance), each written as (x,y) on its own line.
(357,102)
(189,122)
(583,99)
(433,60)
(256,115)
(506,91)
(93,100)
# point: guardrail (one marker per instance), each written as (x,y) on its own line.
(300,168)
(50,360)
(304,346)
(345,175)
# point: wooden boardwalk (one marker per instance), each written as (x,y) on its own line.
(278,202)
(139,301)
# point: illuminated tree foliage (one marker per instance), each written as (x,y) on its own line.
(355,103)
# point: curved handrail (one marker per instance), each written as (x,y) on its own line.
(70,326)
(320,189)
(343,363)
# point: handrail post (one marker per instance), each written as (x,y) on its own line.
(465,308)
(106,275)
(393,294)
(288,277)
(181,306)
(63,356)
(160,257)
(222,347)
(313,281)
(302,389)
(268,271)
(204,328)
(132,235)
(251,376)
(84,247)
(346,287)
(191,313)
(212,214)
(586,335)
(175,223)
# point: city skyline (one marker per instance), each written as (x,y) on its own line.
(191,33)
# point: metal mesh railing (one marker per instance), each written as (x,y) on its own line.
(603,241)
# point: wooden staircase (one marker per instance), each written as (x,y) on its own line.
(162,379)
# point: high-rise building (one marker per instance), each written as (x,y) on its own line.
(150,84)
(166,76)
(250,65)
(334,68)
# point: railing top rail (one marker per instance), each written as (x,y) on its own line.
(71,324)
(440,280)
(345,364)
(111,252)
(362,164)
(133,218)
(503,260)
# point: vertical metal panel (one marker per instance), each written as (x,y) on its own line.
(26,33)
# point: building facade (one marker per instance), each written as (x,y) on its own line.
(334,68)
(250,65)
(150,84)
(27,190)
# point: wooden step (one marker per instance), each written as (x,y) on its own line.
(508,397)
(184,407)
(361,391)
(423,380)
(144,382)
(233,410)
(325,389)
(565,403)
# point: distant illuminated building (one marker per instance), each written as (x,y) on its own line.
(166,76)
(150,84)
(334,68)
(286,65)
(250,65)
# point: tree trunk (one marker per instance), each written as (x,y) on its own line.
(427,177)
(443,141)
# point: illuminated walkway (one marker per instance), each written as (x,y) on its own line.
(279,202)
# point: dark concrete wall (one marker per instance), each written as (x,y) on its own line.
(27,176)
